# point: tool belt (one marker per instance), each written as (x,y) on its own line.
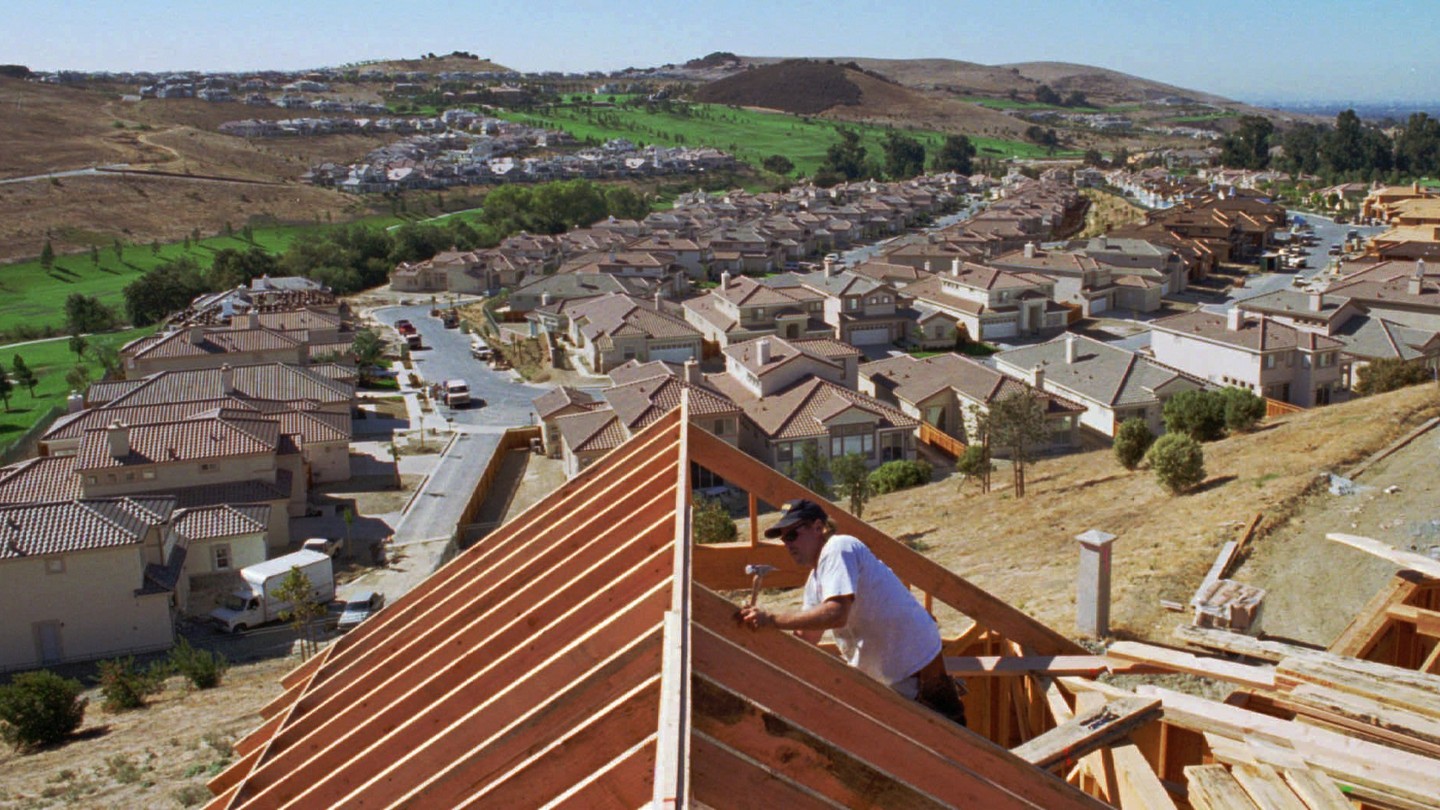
(933,676)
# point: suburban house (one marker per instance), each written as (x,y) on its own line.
(742,308)
(85,578)
(612,329)
(537,291)
(947,391)
(765,366)
(1275,360)
(220,539)
(557,402)
(837,421)
(328,388)
(860,310)
(1113,384)
(199,347)
(993,304)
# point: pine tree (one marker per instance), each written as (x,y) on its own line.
(24,377)
(47,255)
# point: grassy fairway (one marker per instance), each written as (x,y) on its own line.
(51,360)
(750,135)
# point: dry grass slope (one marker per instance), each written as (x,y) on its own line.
(1023,550)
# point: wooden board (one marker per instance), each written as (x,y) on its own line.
(1405,559)
(1213,788)
(1063,745)
(993,666)
(1266,788)
(1138,785)
(1262,677)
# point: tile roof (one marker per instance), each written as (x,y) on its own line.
(214,341)
(632,370)
(273,381)
(1256,335)
(747,292)
(618,315)
(917,379)
(782,351)
(79,525)
(222,520)
(46,478)
(561,397)
(222,435)
(799,411)
(73,426)
(1376,338)
(1103,373)
(595,431)
(641,402)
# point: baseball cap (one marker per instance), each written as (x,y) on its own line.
(801,511)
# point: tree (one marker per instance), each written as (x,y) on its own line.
(809,471)
(846,157)
(108,358)
(369,351)
(39,709)
(1243,409)
(852,480)
(1417,148)
(1017,424)
(24,375)
(95,255)
(125,686)
(1132,439)
(975,463)
(1094,158)
(47,255)
(78,377)
(1249,146)
(85,313)
(6,387)
(78,344)
(299,591)
(119,248)
(163,290)
(1178,462)
(1198,414)
(232,268)
(1389,374)
(778,164)
(904,157)
(897,475)
(710,521)
(1075,98)
(956,154)
(204,669)
(1045,95)
(1042,136)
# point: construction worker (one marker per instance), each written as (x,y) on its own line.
(878,625)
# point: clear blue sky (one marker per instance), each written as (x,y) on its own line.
(1245,49)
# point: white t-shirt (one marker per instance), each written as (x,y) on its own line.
(888,636)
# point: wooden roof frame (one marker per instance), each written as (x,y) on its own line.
(582,656)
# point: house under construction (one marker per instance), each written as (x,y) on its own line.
(585,655)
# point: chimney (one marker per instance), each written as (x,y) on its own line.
(1071,349)
(927,266)
(118,434)
(1234,319)
(762,352)
(829,267)
(545,299)
(692,372)
(658,290)
(1317,300)
(1029,250)
(196,335)
(75,403)
(725,280)
(227,379)
(1037,377)
(1104,244)
(252,319)
(1417,281)
(955,266)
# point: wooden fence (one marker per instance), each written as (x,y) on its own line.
(943,442)
(1274,408)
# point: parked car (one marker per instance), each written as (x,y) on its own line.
(358,608)
(404,327)
(324,545)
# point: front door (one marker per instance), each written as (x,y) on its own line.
(47,643)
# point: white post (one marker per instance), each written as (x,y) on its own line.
(1092,598)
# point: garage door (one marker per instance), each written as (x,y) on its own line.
(679,355)
(1099,305)
(1002,329)
(870,337)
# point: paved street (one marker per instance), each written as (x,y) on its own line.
(1328,233)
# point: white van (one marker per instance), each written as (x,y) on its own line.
(457,393)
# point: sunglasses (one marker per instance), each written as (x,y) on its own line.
(791,533)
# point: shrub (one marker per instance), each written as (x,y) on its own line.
(1198,414)
(852,481)
(897,475)
(710,521)
(1389,375)
(125,686)
(1178,462)
(973,461)
(1131,441)
(1243,408)
(40,708)
(202,668)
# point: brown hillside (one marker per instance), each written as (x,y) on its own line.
(796,86)
(883,102)
(441,64)
(1023,550)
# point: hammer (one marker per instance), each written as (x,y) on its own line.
(758,572)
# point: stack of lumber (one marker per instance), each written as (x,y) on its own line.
(1372,728)
(1229,604)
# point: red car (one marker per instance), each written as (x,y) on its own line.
(404,327)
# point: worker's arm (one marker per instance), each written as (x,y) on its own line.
(808,624)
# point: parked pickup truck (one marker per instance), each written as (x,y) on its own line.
(255,602)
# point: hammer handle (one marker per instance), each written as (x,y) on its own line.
(754,590)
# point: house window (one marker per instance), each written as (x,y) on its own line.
(90,479)
(1325,359)
(148,475)
(784,452)
(847,439)
(851,303)
(1269,361)
(721,426)
(54,565)
(208,466)
(220,555)
(892,446)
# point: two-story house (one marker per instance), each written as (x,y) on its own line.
(1113,384)
(1270,358)
(743,308)
(949,391)
(612,329)
(861,310)
(993,304)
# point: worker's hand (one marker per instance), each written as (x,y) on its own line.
(755,618)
